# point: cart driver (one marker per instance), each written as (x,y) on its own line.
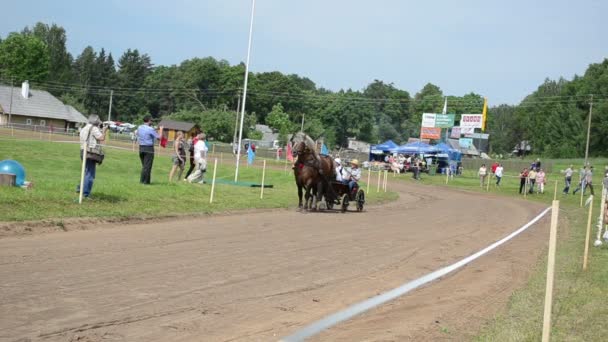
(352,175)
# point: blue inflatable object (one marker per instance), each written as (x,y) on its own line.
(13,167)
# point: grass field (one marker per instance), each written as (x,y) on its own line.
(55,170)
(580,304)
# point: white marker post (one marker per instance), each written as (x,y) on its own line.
(601,223)
(84,165)
(588,234)
(213,181)
(550,272)
(379,173)
(369,175)
(385,179)
(263,178)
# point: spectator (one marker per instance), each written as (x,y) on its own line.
(179,158)
(200,158)
(581,183)
(589,181)
(191,144)
(482,173)
(532,179)
(541,181)
(523,178)
(568,179)
(498,173)
(147,136)
(494,167)
(92,136)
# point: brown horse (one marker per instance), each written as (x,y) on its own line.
(312,172)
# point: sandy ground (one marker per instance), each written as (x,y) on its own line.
(261,276)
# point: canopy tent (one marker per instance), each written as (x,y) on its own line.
(386,147)
(416,147)
(452,153)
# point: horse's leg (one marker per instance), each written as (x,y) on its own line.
(319,196)
(299,196)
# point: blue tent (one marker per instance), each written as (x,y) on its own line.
(453,154)
(386,147)
(416,147)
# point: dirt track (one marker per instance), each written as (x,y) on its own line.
(262,276)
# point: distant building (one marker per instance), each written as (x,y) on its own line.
(171,127)
(36,109)
(358,145)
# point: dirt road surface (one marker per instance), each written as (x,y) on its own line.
(261,276)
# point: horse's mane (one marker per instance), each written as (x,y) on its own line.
(308,142)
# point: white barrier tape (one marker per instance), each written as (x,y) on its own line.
(368,304)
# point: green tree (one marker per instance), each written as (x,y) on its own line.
(60,60)
(24,57)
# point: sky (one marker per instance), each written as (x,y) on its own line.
(500,49)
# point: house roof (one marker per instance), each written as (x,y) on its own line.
(39,104)
(176,125)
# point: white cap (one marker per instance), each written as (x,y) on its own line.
(338,161)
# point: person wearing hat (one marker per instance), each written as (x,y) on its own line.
(147,136)
(92,136)
(353,175)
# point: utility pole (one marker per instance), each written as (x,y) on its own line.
(588,130)
(238,155)
(302,129)
(236,124)
(110,108)
(10,107)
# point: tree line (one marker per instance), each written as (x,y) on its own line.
(207,91)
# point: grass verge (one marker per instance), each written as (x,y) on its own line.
(54,168)
(580,304)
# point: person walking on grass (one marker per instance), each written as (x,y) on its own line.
(523,178)
(200,158)
(482,173)
(568,179)
(498,173)
(147,136)
(92,136)
(179,156)
(532,180)
(589,181)
(541,181)
(581,182)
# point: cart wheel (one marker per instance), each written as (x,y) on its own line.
(360,200)
(344,202)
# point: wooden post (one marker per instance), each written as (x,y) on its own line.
(447,175)
(263,178)
(588,235)
(213,150)
(488,185)
(526,188)
(12,131)
(369,175)
(550,272)
(601,222)
(213,181)
(385,179)
(84,163)
(555,192)
(583,185)
(379,172)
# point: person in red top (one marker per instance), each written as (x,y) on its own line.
(494,166)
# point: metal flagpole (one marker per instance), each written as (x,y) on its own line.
(238,154)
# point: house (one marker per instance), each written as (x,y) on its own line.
(358,145)
(36,109)
(171,127)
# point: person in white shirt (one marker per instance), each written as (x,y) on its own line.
(353,175)
(568,179)
(482,173)
(200,159)
(339,169)
(92,136)
(498,173)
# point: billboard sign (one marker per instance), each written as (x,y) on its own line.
(465,142)
(428,120)
(471,120)
(444,120)
(430,133)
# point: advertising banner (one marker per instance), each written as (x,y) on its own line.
(428,120)
(444,120)
(465,142)
(471,120)
(430,133)
(455,132)
(483,136)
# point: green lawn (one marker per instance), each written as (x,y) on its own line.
(580,306)
(55,170)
